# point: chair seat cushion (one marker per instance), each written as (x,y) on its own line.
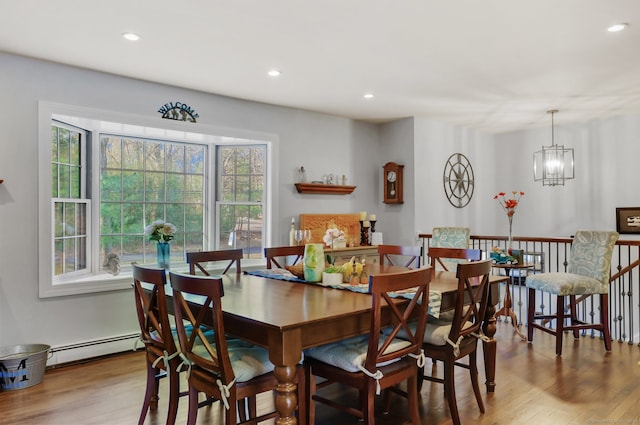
(565,284)
(351,353)
(438,330)
(247,360)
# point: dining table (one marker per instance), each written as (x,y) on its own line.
(287,316)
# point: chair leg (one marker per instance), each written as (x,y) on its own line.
(150,394)
(193,406)
(310,390)
(573,308)
(420,379)
(604,318)
(302,396)
(412,395)
(174,394)
(560,324)
(473,370)
(531,308)
(450,391)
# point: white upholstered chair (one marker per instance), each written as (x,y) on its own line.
(588,274)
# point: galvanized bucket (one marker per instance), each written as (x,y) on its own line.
(22,366)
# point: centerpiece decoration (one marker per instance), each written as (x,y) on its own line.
(332,275)
(334,238)
(509,205)
(161,232)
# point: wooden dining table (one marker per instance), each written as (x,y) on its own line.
(287,317)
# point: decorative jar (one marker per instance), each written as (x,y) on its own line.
(313,262)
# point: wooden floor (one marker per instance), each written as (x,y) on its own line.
(584,386)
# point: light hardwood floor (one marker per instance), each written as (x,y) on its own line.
(585,386)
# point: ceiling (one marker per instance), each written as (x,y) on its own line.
(491,65)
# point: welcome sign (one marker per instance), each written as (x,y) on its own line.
(178,111)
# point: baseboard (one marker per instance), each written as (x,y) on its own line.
(94,348)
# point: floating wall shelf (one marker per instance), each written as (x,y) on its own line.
(325,189)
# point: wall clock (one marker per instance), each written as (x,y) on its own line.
(393,183)
(458,180)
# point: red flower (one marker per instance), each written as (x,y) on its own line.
(509,205)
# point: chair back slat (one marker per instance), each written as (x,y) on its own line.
(382,288)
(437,254)
(411,254)
(275,255)
(471,299)
(151,308)
(198,260)
(192,319)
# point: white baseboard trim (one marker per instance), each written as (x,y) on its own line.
(94,348)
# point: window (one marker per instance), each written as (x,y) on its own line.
(71,208)
(142,181)
(110,178)
(240,198)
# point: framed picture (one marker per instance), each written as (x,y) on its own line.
(628,220)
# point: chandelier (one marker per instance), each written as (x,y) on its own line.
(553,164)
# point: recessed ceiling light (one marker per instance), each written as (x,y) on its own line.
(274,73)
(368,96)
(131,36)
(617,27)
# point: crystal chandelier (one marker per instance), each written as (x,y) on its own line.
(553,164)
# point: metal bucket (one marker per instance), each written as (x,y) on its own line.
(22,366)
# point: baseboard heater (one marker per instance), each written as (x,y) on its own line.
(71,353)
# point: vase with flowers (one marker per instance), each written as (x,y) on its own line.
(509,205)
(334,238)
(162,232)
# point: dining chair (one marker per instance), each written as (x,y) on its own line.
(197,260)
(450,237)
(157,335)
(409,255)
(451,341)
(227,370)
(587,275)
(438,255)
(275,255)
(378,360)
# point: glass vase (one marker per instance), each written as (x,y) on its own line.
(164,255)
(313,262)
(510,240)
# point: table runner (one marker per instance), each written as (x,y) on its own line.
(435,297)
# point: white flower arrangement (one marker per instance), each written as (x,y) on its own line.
(332,235)
(160,231)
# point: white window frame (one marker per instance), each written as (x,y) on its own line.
(97,280)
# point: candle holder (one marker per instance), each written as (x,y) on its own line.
(364,234)
(373,225)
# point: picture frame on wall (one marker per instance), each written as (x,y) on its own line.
(628,220)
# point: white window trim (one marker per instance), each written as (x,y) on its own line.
(102,282)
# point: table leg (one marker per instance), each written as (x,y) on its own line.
(489,346)
(285,352)
(507,311)
(285,396)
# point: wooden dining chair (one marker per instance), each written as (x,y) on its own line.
(378,360)
(438,255)
(409,255)
(450,341)
(227,370)
(198,260)
(588,275)
(157,335)
(276,255)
